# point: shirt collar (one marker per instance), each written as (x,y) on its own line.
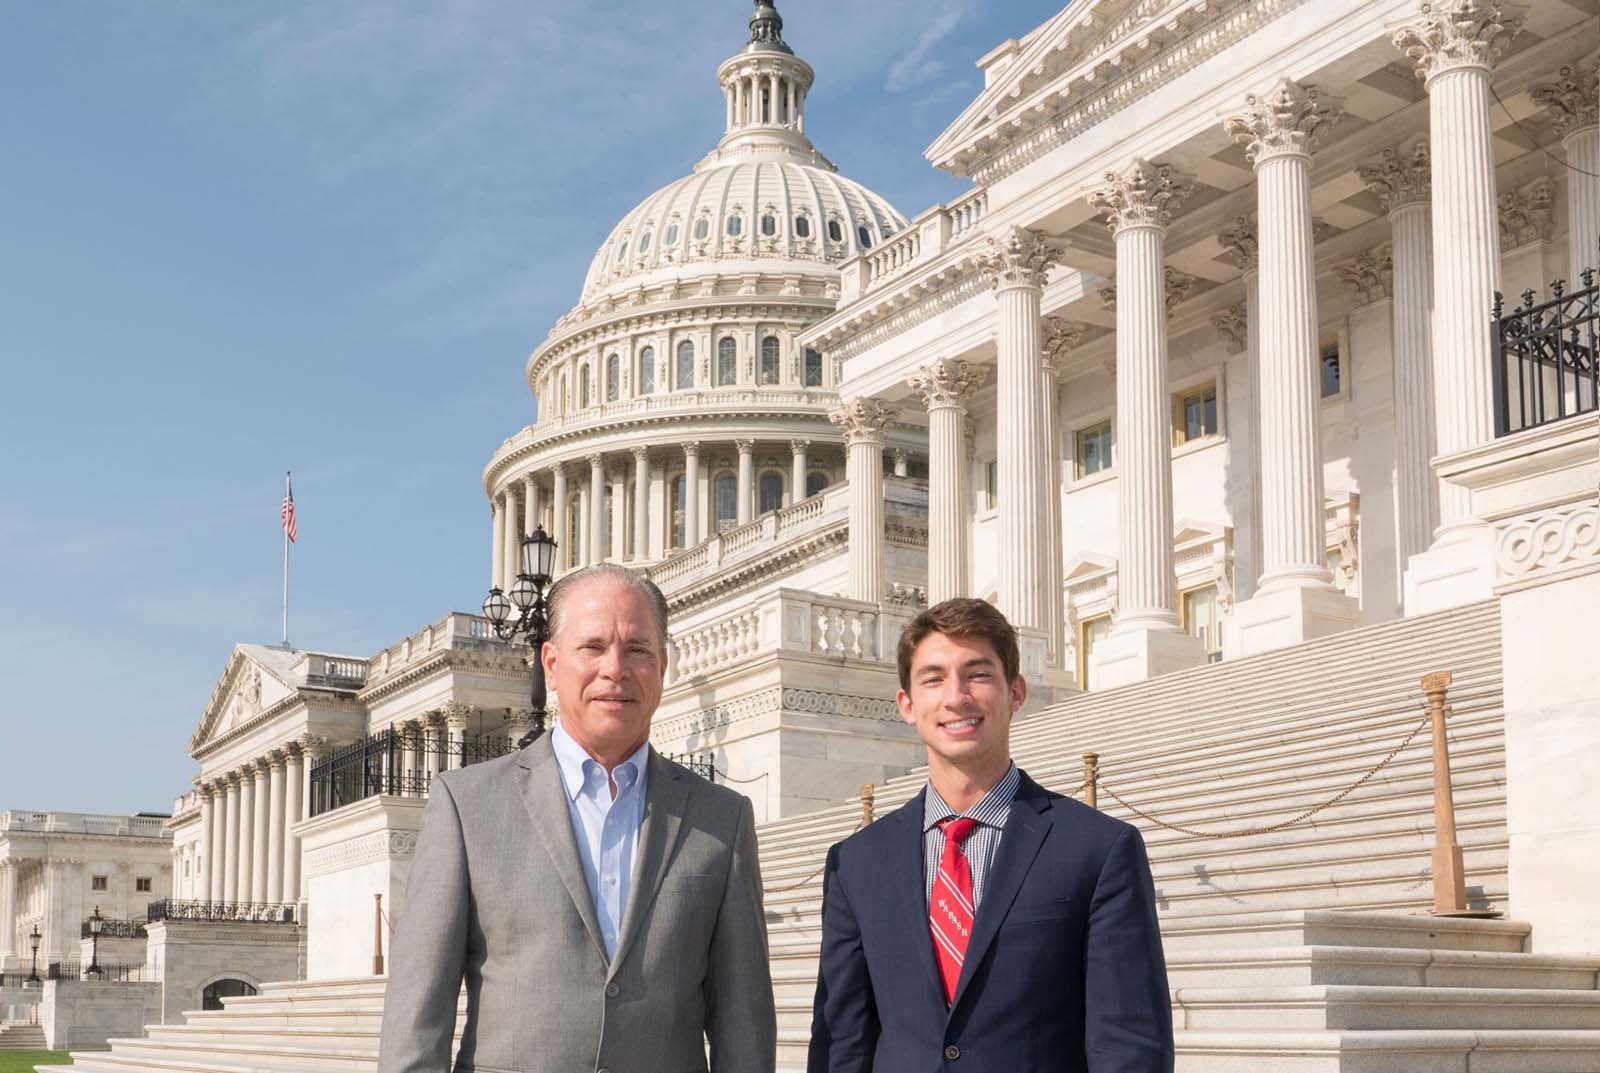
(991,810)
(573,762)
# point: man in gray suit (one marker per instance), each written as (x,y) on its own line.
(602,903)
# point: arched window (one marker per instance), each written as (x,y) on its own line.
(727,362)
(211,998)
(644,242)
(815,482)
(583,386)
(769,360)
(769,224)
(770,493)
(735,225)
(813,369)
(672,235)
(864,236)
(678,515)
(572,525)
(647,371)
(702,228)
(622,251)
(685,364)
(725,494)
(835,230)
(613,378)
(562,403)
(802,227)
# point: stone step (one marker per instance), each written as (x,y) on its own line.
(1339,1006)
(1428,1051)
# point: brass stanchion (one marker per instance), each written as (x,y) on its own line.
(377,935)
(867,802)
(1091,779)
(1449,875)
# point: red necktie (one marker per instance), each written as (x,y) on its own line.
(950,910)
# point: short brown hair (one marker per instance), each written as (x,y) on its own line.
(961,617)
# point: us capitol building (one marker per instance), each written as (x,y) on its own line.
(1203,382)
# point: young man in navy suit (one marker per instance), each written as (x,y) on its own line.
(988,925)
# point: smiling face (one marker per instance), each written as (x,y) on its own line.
(961,705)
(606,665)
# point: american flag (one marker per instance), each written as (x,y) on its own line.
(287,513)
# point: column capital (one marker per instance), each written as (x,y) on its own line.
(261,765)
(558,469)
(530,478)
(457,714)
(313,746)
(1368,275)
(597,462)
(1059,338)
(946,382)
(1233,326)
(519,721)
(1572,99)
(863,420)
(1240,241)
(1401,176)
(1141,195)
(640,454)
(1455,34)
(1021,257)
(799,446)
(1527,214)
(277,760)
(744,447)
(691,449)
(1287,121)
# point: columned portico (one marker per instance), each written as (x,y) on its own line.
(1146,639)
(1016,265)
(864,422)
(1295,599)
(217,863)
(1573,102)
(944,387)
(1453,50)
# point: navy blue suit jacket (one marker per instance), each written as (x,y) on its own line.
(1063,973)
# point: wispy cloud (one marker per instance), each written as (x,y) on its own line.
(919,66)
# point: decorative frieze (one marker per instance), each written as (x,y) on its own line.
(1368,276)
(1401,176)
(1453,34)
(1141,195)
(1548,540)
(1528,214)
(1021,257)
(1288,121)
(377,847)
(1233,327)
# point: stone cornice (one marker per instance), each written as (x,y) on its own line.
(762,568)
(503,665)
(886,314)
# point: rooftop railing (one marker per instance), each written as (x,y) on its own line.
(82,823)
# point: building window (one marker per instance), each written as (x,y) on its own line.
(802,227)
(702,228)
(186,867)
(98,883)
(583,385)
(1332,368)
(771,492)
(644,242)
(678,515)
(1091,631)
(685,364)
(672,235)
(835,231)
(1093,450)
(769,225)
(1202,618)
(574,529)
(735,226)
(813,370)
(622,252)
(725,494)
(727,362)
(613,378)
(141,885)
(991,484)
(864,237)
(769,360)
(1194,414)
(647,370)
(815,483)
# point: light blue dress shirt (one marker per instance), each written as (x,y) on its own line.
(606,830)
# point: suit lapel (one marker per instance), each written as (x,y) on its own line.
(904,857)
(1024,833)
(543,796)
(666,802)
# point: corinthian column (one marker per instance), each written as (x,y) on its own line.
(216,864)
(641,503)
(276,824)
(457,716)
(530,505)
(8,904)
(497,569)
(295,808)
(1061,338)
(230,851)
(1145,640)
(1244,333)
(863,423)
(1400,179)
(747,479)
(597,509)
(1573,101)
(259,830)
(558,515)
(944,387)
(513,538)
(208,846)
(797,479)
(1016,265)
(691,494)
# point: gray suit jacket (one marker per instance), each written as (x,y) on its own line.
(497,896)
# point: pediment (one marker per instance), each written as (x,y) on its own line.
(1089,564)
(1197,532)
(248,686)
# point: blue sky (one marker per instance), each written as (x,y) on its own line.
(242,238)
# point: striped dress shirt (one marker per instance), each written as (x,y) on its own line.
(981,844)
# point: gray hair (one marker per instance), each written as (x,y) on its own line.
(621,575)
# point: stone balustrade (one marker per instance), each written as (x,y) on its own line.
(929,235)
(82,823)
(455,630)
(733,401)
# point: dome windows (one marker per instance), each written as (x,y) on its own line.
(802,226)
(835,230)
(671,238)
(685,364)
(864,237)
(702,229)
(769,360)
(813,368)
(644,243)
(613,378)
(727,362)
(769,225)
(647,371)
(622,252)
(583,387)
(735,225)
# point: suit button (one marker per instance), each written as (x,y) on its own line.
(612,991)
(952,1052)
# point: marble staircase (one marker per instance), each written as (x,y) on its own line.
(21,1038)
(1305,948)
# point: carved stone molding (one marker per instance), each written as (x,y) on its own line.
(1573,99)
(1287,121)
(778,699)
(1058,340)
(1401,176)
(374,848)
(1233,326)
(946,382)
(1022,257)
(744,447)
(457,715)
(863,420)
(691,449)
(1368,276)
(799,446)
(1527,214)
(1453,34)
(1176,284)
(1240,242)
(1548,540)
(1141,195)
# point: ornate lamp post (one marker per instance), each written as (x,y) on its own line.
(33,974)
(96,922)
(523,610)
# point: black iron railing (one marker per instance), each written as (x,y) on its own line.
(702,764)
(394,762)
(233,912)
(115,929)
(1545,356)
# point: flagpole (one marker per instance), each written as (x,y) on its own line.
(287,492)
